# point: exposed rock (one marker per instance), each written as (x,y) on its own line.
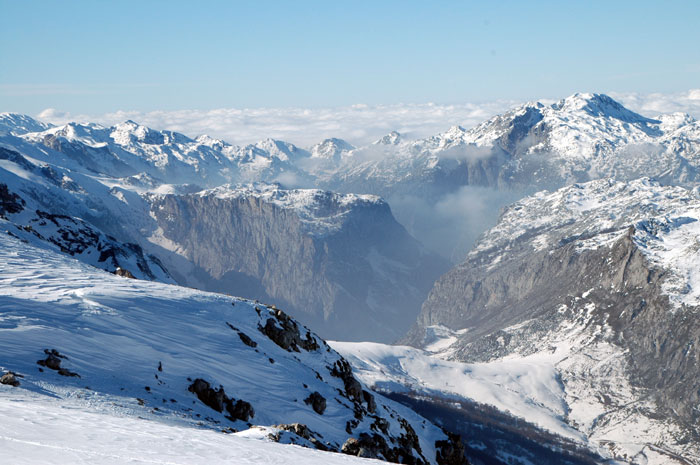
(353,388)
(67,372)
(317,401)
(217,399)
(304,432)
(450,451)
(296,428)
(53,362)
(341,264)
(9,201)
(246,340)
(585,259)
(284,332)
(9,379)
(369,400)
(380,424)
(240,410)
(375,446)
(124,273)
(213,398)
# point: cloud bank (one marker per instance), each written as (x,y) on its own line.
(358,124)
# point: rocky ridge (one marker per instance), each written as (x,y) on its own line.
(598,279)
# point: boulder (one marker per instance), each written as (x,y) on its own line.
(317,402)
(9,379)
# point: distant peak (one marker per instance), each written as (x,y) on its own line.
(16,123)
(455,131)
(393,138)
(330,148)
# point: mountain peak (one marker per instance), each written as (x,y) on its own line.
(330,148)
(18,124)
(282,150)
(454,132)
(393,138)
(600,105)
(128,131)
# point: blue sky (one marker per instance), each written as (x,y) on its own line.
(99,56)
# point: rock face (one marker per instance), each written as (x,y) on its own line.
(339,263)
(600,277)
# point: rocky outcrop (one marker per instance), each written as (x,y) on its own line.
(450,451)
(300,434)
(353,389)
(53,361)
(284,332)
(218,400)
(9,202)
(375,446)
(317,402)
(124,273)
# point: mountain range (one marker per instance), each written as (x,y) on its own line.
(571,227)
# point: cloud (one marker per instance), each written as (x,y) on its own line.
(654,104)
(450,223)
(358,124)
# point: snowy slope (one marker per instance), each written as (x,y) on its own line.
(40,429)
(564,389)
(527,388)
(133,348)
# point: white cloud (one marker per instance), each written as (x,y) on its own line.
(656,103)
(358,124)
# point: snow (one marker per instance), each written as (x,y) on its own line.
(587,133)
(40,429)
(666,222)
(583,211)
(526,387)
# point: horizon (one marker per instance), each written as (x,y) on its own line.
(363,124)
(87,58)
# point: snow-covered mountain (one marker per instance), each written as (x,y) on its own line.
(27,217)
(95,348)
(534,146)
(596,286)
(591,287)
